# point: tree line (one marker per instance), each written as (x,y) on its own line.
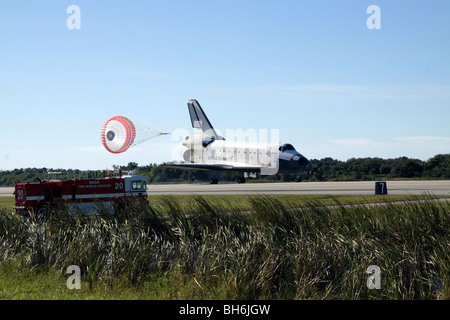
(327,169)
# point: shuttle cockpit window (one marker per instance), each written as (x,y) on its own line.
(286,146)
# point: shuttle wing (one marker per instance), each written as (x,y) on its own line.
(226,166)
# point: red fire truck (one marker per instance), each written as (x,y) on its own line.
(83,196)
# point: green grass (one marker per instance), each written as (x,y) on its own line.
(18,283)
(207,248)
(290,200)
(7,202)
(242,201)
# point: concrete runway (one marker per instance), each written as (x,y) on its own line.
(440,187)
(6,192)
(321,188)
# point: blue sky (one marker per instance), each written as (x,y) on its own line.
(311,69)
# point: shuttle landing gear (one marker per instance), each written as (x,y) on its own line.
(214,177)
(241,180)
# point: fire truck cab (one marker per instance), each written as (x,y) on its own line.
(82,196)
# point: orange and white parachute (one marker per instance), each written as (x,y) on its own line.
(119,134)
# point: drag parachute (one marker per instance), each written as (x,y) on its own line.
(119,134)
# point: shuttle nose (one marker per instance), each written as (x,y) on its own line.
(308,167)
(305,164)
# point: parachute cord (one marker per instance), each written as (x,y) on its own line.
(144,131)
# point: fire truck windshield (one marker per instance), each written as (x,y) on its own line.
(139,185)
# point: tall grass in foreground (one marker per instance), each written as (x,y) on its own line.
(270,252)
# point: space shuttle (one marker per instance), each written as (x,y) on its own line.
(207,150)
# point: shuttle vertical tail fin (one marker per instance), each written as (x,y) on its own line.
(199,119)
